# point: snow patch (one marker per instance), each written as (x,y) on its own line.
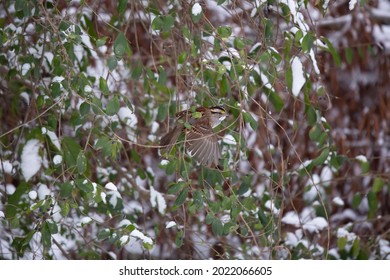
(297,75)
(157,199)
(33,195)
(196,9)
(170,224)
(57,159)
(31,161)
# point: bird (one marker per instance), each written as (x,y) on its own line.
(200,139)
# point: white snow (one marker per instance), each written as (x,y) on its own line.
(103,197)
(43,191)
(124,239)
(31,161)
(124,223)
(110,186)
(384,249)
(52,136)
(157,199)
(10,189)
(25,68)
(57,159)
(128,117)
(297,75)
(7,166)
(291,218)
(33,195)
(271,206)
(170,224)
(229,139)
(85,221)
(352,4)
(196,9)
(338,201)
(361,158)
(316,224)
(2,214)
(136,233)
(114,194)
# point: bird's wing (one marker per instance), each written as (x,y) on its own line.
(203,144)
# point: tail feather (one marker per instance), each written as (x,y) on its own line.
(169,140)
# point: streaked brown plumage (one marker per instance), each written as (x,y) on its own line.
(200,139)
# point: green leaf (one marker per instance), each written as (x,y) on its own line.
(97,105)
(372,204)
(332,50)
(357,198)
(112,63)
(121,46)
(157,23)
(14,200)
(66,189)
(245,185)
(224,31)
(378,185)
(103,234)
(85,108)
(55,89)
(103,86)
(321,158)
(179,240)
(84,185)
(65,208)
(112,106)
(71,150)
(181,198)
(101,41)
(268,30)
(341,242)
(81,163)
(248,118)
(122,4)
(239,43)
(176,187)
(276,100)
(349,55)
(289,78)
(22,243)
(355,247)
(307,42)
(46,236)
(217,227)
(311,115)
(168,23)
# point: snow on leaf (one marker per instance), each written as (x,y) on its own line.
(57,159)
(110,186)
(33,195)
(53,137)
(136,233)
(128,117)
(196,9)
(31,160)
(298,76)
(43,191)
(315,225)
(352,4)
(170,224)
(338,201)
(156,199)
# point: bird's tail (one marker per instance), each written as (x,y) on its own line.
(169,140)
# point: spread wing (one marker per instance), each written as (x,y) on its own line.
(203,144)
